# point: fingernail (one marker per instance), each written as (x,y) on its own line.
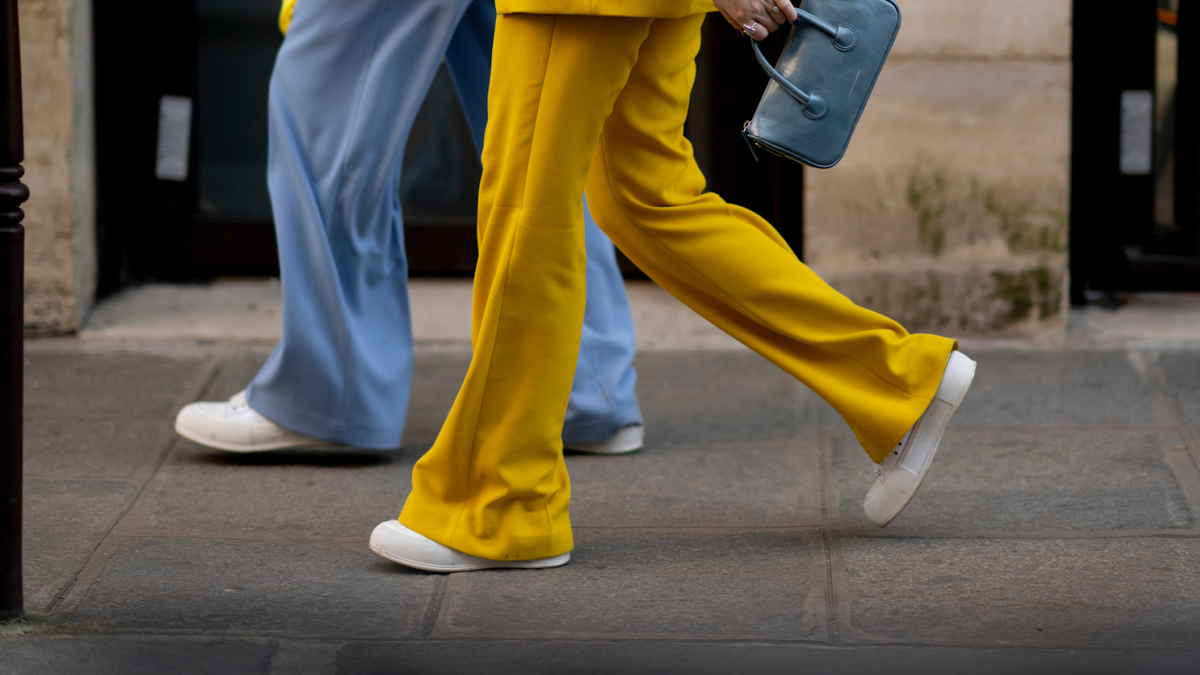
(796,22)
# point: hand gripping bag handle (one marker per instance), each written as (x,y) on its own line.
(844,37)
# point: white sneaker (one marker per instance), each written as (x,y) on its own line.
(399,544)
(234,426)
(626,440)
(901,472)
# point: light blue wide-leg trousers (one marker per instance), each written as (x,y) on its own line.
(347,85)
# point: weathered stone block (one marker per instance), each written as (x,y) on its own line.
(124,384)
(1025,482)
(94,447)
(65,521)
(1102,593)
(265,588)
(949,211)
(761,484)
(988,29)
(60,255)
(714,397)
(652,584)
(297,494)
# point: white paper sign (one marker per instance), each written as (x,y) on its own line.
(174,135)
(1137,132)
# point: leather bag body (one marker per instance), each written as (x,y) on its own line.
(823,79)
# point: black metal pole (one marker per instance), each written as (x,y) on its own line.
(12,313)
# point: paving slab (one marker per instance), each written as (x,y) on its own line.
(437,377)
(1098,593)
(1051,387)
(687,398)
(692,398)
(1058,387)
(1182,370)
(304,494)
(764,584)
(253,588)
(94,447)
(236,373)
(1024,480)
(769,483)
(113,384)
(65,520)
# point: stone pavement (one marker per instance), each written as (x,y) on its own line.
(1058,531)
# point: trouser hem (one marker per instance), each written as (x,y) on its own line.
(593,431)
(430,522)
(322,427)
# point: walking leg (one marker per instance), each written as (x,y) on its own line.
(347,86)
(733,268)
(603,398)
(494,484)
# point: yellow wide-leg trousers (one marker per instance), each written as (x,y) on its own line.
(599,102)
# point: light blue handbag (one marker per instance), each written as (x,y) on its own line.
(821,84)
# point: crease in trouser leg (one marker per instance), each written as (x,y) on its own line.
(732,267)
(343,97)
(494,484)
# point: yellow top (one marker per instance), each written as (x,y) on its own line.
(654,9)
(285,15)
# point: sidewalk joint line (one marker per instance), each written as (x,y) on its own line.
(824,481)
(1149,365)
(429,621)
(161,461)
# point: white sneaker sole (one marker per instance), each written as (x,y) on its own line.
(389,537)
(210,424)
(256,447)
(905,479)
(626,440)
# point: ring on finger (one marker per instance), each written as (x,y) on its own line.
(775,10)
(750,27)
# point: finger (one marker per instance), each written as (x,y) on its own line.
(788,10)
(765,21)
(773,12)
(751,25)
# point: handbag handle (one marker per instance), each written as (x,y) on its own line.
(844,36)
(815,105)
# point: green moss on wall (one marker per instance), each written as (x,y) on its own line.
(1025,291)
(927,196)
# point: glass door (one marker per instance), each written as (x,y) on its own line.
(182,146)
(1175,147)
(1135,147)
(182,149)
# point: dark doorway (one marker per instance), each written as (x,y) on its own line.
(1135,146)
(182,142)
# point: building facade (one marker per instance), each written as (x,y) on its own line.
(952,210)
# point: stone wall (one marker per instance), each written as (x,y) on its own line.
(949,212)
(60,256)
